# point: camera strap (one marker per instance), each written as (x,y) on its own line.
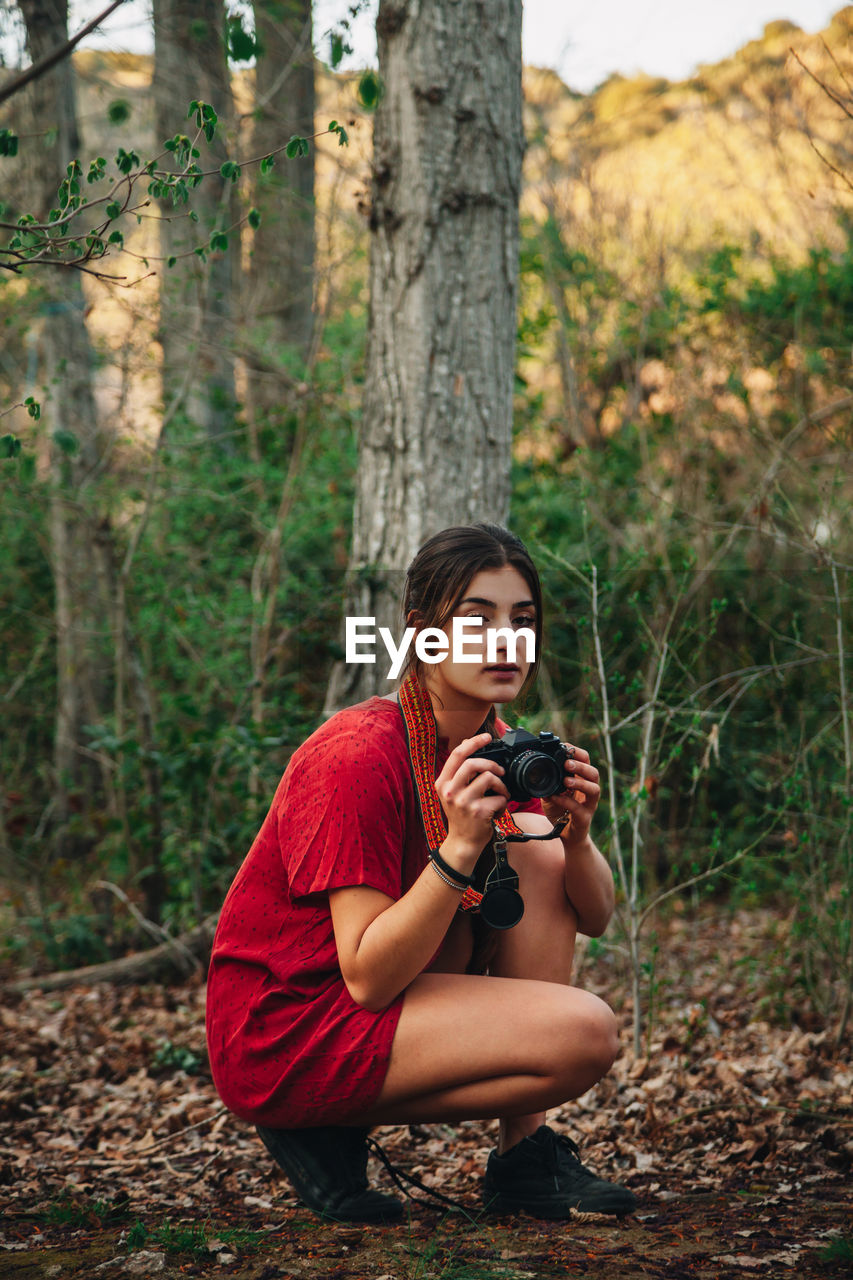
(421,737)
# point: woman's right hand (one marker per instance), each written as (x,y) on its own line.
(461,788)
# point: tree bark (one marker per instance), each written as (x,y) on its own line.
(196,298)
(435,442)
(278,303)
(77,530)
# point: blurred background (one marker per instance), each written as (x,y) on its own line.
(182,424)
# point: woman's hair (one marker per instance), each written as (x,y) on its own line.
(438,577)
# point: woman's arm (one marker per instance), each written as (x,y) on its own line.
(383,945)
(589,880)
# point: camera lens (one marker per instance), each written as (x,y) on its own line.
(537,775)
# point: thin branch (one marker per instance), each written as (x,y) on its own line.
(839,102)
(826,160)
(766,483)
(62,51)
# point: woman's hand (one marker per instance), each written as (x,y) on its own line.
(580,798)
(461,788)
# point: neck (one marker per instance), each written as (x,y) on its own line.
(457,717)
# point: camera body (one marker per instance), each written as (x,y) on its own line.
(533,766)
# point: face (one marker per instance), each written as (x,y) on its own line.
(494,598)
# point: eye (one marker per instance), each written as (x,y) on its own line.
(524,620)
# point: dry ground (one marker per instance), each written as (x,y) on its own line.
(735,1130)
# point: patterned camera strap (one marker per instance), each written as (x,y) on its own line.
(420,732)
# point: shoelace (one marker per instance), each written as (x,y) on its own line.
(399,1177)
(554,1153)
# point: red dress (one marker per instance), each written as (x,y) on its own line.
(288,1045)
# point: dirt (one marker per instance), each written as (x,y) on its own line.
(734,1129)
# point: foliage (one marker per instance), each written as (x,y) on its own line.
(171,1058)
(195,1238)
(202,540)
(85,226)
(680,473)
(702,639)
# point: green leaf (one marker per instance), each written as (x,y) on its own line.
(117,238)
(230,169)
(119,111)
(254,219)
(126,160)
(297,147)
(66,441)
(218,242)
(8,146)
(267,163)
(170,262)
(205,117)
(33,408)
(338,47)
(241,44)
(113,209)
(370,89)
(10,446)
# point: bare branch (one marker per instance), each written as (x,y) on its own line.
(62,51)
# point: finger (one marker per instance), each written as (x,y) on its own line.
(468,770)
(583,791)
(460,753)
(576,769)
(487,784)
(467,784)
(578,754)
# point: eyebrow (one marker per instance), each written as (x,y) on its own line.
(490,604)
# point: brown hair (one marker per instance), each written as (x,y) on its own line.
(438,577)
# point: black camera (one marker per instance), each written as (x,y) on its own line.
(533,767)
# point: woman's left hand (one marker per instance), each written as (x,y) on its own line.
(580,798)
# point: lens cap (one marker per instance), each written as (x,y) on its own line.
(501,908)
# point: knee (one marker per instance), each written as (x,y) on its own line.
(587,1042)
(602,1031)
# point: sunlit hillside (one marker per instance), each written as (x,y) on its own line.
(742,150)
(643,177)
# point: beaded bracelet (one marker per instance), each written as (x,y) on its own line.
(456,878)
(451,884)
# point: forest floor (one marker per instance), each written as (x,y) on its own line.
(734,1129)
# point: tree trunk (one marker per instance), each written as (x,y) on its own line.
(437,424)
(196,298)
(278,305)
(77,531)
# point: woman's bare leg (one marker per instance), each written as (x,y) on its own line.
(511,1044)
(469,1047)
(541,946)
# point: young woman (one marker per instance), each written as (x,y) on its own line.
(352,982)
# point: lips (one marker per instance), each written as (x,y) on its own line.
(504,668)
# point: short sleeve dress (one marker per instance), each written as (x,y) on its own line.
(288,1046)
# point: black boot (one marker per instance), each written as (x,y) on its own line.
(328,1169)
(542,1175)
